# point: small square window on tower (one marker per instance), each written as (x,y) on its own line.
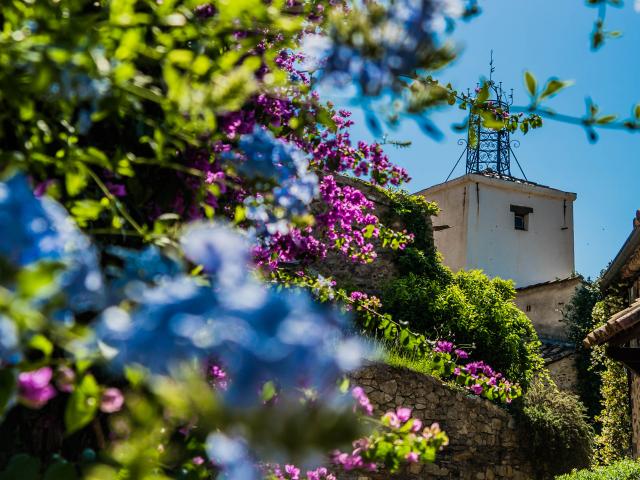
(521,217)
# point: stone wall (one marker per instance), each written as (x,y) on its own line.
(370,277)
(484,440)
(564,373)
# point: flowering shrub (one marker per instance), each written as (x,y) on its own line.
(400,439)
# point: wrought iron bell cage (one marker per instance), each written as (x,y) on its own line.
(490,152)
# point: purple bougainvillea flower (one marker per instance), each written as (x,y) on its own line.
(442,346)
(34,387)
(461,354)
(112,400)
(404,414)
(412,457)
(476,389)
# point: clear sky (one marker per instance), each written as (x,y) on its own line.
(547,37)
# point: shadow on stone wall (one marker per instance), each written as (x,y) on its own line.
(484,440)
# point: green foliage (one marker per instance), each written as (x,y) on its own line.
(621,470)
(469,309)
(614,441)
(558,433)
(579,323)
(123,87)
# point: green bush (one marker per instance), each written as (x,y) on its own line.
(613,443)
(558,433)
(579,321)
(622,470)
(467,308)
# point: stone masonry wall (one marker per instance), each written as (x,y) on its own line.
(370,277)
(564,373)
(484,440)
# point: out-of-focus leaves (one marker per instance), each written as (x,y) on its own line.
(531,83)
(22,467)
(82,404)
(553,86)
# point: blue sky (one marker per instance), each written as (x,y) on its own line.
(549,38)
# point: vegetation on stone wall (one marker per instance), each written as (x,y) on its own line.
(579,322)
(620,470)
(467,307)
(613,443)
(558,432)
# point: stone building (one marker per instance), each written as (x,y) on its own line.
(621,333)
(512,228)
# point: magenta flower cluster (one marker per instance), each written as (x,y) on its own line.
(291,472)
(478,377)
(363,402)
(34,387)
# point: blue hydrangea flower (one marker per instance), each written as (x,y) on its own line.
(398,45)
(138,266)
(40,229)
(258,333)
(232,456)
(9,342)
(270,158)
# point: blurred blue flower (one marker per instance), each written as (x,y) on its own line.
(398,43)
(232,456)
(40,229)
(270,158)
(259,334)
(138,266)
(9,342)
(285,164)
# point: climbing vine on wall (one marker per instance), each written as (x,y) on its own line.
(613,443)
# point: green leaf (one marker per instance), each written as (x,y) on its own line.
(553,86)
(21,466)
(636,111)
(38,280)
(531,83)
(41,343)
(7,388)
(606,119)
(82,404)
(61,470)
(76,179)
(87,210)
(268,391)
(483,95)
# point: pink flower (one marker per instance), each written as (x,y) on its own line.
(404,414)
(391,419)
(412,457)
(34,387)
(197,460)
(461,354)
(363,400)
(293,471)
(112,400)
(477,389)
(416,425)
(443,346)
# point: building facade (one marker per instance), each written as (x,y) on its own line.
(511,228)
(506,227)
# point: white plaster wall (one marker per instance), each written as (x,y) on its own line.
(482,234)
(451,242)
(544,305)
(542,253)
